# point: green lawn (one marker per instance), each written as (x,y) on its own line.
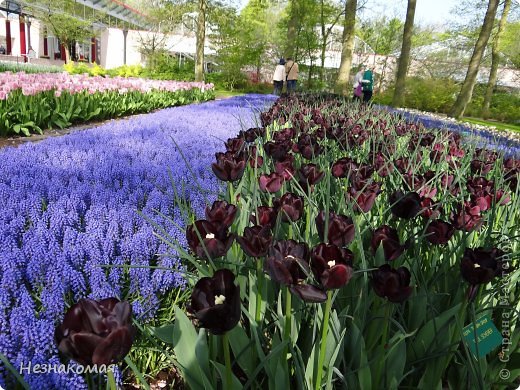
(498,125)
(221,94)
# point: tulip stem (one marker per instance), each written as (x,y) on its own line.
(231,193)
(259,286)
(327,209)
(111,380)
(308,222)
(287,327)
(384,340)
(324,333)
(227,359)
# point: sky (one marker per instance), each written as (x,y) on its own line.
(427,12)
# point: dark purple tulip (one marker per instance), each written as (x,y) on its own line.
(341,228)
(308,146)
(255,160)
(363,199)
(251,134)
(480,186)
(344,167)
(483,202)
(331,265)
(256,240)
(288,264)
(310,173)
(215,240)
(389,238)
(266,216)
(480,266)
(502,198)
(215,302)
(382,165)
(455,151)
(284,135)
(402,164)
(439,232)
(429,209)
(427,139)
(278,150)
(96,332)
(391,283)
(481,167)
(235,145)
(229,166)
(467,218)
(285,168)
(270,183)
(221,213)
(290,206)
(405,206)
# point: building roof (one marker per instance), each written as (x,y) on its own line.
(118,10)
(113,8)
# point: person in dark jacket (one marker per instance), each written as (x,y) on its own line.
(368,84)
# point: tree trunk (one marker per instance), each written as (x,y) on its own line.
(342,83)
(323,40)
(471,76)
(495,60)
(404,58)
(290,46)
(67,53)
(200,36)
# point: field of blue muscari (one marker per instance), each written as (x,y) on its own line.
(72,204)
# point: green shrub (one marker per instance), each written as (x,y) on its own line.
(28,68)
(434,95)
(228,80)
(163,66)
(504,104)
(438,95)
(126,71)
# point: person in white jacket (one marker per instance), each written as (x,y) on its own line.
(279,77)
(358,84)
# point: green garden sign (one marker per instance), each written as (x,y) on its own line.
(486,335)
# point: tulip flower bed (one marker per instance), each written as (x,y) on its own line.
(30,103)
(70,219)
(352,249)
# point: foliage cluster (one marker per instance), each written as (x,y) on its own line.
(162,66)
(438,95)
(83,68)
(28,68)
(320,157)
(21,114)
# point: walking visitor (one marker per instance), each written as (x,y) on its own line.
(291,68)
(279,77)
(368,84)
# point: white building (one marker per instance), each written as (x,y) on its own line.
(115,41)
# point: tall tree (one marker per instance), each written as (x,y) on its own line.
(200,36)
(495,60)
(330,15)
(404,57)
(342,83)
(466,91)
(292,27)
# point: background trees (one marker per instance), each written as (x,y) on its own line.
(404,57)
(58,17)
(250,36)
(469,82)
